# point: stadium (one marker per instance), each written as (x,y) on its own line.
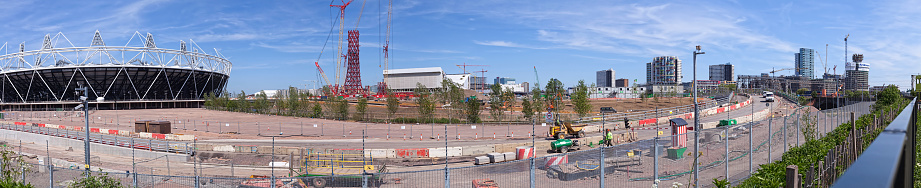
(136,75)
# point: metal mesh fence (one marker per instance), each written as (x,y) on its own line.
(724,152)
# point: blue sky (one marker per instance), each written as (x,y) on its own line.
(273,44)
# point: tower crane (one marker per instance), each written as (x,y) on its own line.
(482,76)
(465,65)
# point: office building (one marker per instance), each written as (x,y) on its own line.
(504,80)
(605,78)
(805,63)
(622,83)
(663,70)
(722,72)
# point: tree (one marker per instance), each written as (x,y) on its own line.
(527,110)
(425,102)
(262,102)
(537,105)
(888,96)
(393,104)
(580,99)
(495,102)
(801,91)
(554,90)
(12,165)
(316,111)
(472,110)
(360,109)
(293,101)
(242,104)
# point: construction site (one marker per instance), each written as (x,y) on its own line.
(404,130)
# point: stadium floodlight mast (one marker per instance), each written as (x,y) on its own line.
(82,92)
(696,120)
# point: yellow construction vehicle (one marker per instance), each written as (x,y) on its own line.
(561,130)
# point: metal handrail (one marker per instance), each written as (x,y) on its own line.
(890,160)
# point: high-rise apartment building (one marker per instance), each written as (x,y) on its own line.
(856,74)
(722,72)
(663,70)
(604,78)
(805,63)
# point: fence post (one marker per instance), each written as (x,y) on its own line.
(792,180)
(785,134)
(655,160)
(727,151)
(853,144)
(447,177)
(601,163)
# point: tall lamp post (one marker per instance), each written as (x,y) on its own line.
(82,90)
(696,120)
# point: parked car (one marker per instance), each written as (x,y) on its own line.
(608,110)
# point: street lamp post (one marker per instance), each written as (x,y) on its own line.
(696,120)
(86,140)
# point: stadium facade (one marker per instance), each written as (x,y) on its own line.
(136,75)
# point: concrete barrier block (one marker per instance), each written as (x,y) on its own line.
(224,148)
(145,135)
(455,151)
(204,147)
(478,150)
(264,150)
(481,160)
(183,137)
(347,151)
(709,125)
(412,153)
(542,145)
(496,157)
(438,152)
(285,150)
(246,148)
(592,128)
(158,136)
(510,156)
(502,148)
(380,153)
(104,131)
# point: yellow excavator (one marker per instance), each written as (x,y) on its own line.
(560,130)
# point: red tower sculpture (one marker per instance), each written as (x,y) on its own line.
(353,72)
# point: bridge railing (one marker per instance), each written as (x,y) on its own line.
(890,160)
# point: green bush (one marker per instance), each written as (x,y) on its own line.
(10,183)
(95,181)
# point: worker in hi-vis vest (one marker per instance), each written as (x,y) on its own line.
(608,137)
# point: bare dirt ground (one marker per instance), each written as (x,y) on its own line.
(212,124)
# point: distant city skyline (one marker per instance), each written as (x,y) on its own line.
(274,44)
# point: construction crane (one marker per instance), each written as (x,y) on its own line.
(341,29)
(824,63)
(536,77)
(386,46)
(322,73)
(482,76)
(465,65)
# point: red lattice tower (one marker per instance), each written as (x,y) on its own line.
(353,73)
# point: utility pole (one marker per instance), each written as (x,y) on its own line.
(696,121)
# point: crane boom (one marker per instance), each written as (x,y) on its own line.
(322,73)
(536,77)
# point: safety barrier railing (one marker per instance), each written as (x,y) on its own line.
(889,161)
